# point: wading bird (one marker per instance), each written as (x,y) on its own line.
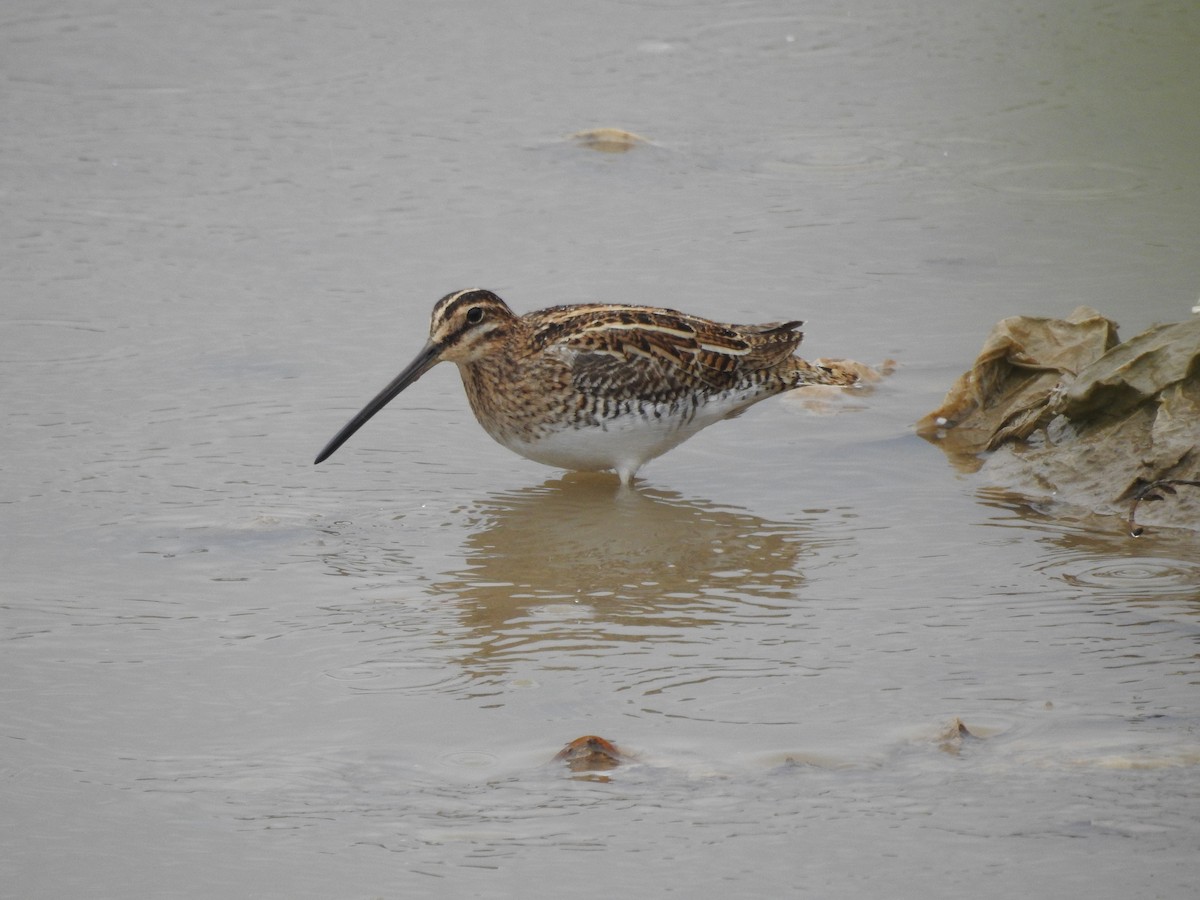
(601,386)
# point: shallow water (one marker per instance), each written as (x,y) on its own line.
(228,672)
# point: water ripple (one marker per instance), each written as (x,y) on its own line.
(1133,578)
(43,341)
(806,34)
(822,155)
(399,676)
(1066,180)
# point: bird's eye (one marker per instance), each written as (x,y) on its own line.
(474,315)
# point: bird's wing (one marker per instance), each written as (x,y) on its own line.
(626,351)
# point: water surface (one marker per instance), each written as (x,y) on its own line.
(228,672)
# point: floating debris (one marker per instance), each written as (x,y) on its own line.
(847,381)
(1061,411)
(608,140)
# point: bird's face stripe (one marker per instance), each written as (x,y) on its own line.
(448,307)
(448,338)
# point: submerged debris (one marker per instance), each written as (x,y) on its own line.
(953,736)
(1153,491)
(590,753)
(1060,410)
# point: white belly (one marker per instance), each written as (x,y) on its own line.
(625,443)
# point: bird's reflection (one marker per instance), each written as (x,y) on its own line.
(577,567)
(580,561)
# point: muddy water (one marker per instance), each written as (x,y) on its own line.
(227,673)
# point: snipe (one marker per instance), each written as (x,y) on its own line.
(601,386)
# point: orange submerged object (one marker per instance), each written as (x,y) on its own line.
(590,753)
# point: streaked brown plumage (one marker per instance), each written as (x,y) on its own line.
(601,386)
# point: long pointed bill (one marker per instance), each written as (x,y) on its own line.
(425,360)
